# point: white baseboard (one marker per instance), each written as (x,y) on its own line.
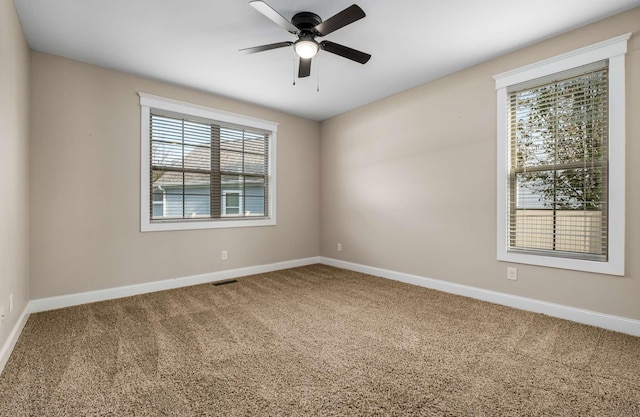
(7,347)
(53,303)
(605,321)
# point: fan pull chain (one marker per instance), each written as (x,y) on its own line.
(318,71)
(294,68)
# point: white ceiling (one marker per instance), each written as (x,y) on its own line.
(195,43)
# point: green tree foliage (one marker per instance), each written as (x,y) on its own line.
(561,142)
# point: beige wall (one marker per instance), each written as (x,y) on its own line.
(14,168)
(409,183)
(85,187)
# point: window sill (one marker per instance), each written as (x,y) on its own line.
(161,226)
(610,267)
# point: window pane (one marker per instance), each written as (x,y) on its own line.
(232,183)
(558,190)
(255,143)
(231,161)
(232,189)
(233,200)
(198,169)
(157,203)
(197,134)
(533,229)
(158,211)
(254,164)
(231,139)
(197,195)
(254,196)
(534,190)
(166,129)
(165,154)
(174,201)
(232,203)
(197,157)
(581,189)
(162,181)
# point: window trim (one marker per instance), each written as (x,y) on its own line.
(148,102)
(613,50)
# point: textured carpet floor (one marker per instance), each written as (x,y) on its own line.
(315,341)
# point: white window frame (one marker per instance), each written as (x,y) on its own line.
(613,50)
(148,102)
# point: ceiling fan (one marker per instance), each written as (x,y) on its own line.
(307,26)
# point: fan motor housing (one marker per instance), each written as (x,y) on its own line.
(306,21)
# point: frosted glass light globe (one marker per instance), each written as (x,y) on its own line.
(306,48)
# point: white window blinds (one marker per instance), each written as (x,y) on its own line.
(202,169)
(558,165)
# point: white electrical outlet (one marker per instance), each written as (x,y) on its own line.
(10,302)
(512,273)
(339,247)
(224,255)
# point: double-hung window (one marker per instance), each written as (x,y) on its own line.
(204,168)
(561,161)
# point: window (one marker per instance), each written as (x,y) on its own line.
(158,203)
(558,165)
(203,168)
(232,203)
(561,161)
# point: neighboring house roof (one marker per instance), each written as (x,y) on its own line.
(233,162)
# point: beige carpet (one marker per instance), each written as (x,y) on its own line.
(315,341)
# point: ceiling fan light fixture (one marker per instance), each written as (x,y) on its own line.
(306,48)
(307,26)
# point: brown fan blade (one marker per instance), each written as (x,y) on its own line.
(255,49)
(340,20)
(304,69)
(345,51)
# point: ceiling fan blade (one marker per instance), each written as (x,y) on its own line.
(304,69)
(274,16)
(345,51)
(342,19)
(265,47)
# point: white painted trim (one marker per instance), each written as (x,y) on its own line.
(10,343)
(614,50)
(147,102)
(53,303)
(224,223)
(592,318)
(504,161)
(157,102)
(617,159)
(145,158)
(577,58)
